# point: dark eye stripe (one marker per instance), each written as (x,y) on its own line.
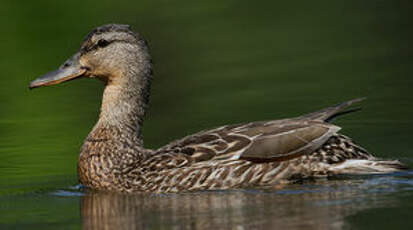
(103,43)
(89,48)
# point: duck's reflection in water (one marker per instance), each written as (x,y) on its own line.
(315,206)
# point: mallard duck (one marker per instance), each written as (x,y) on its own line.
(263,153)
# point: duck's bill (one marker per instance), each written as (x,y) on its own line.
(68,71)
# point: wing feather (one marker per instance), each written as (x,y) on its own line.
(258,141)
(264,141)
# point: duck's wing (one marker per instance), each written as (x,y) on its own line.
(257,141)
(265,141)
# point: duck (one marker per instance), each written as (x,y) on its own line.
(238,156)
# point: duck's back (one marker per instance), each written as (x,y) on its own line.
(258,154)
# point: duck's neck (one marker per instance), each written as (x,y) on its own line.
(125,100)
(115,145)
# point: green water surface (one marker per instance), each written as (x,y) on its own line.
(216,62)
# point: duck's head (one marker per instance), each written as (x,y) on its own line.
(109,53)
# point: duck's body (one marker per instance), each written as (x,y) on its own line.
(235,156)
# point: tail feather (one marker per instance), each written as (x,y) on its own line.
(329,113)
(367,166)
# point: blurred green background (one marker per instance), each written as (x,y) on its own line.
(216,62)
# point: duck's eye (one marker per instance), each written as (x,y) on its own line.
(103,43)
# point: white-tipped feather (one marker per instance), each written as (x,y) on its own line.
(362,166)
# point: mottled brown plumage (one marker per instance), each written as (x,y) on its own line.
(234,156)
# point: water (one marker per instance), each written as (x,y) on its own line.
(330,204)
(216,63)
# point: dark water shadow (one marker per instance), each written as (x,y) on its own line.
(315,205)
